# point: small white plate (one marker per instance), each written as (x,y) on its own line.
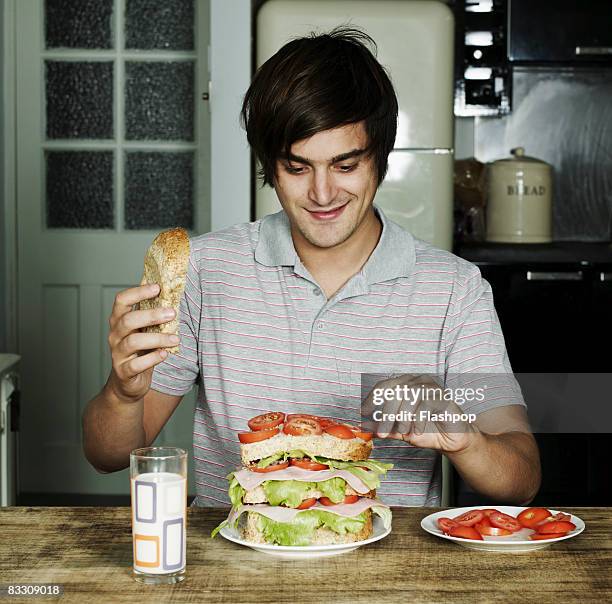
(517,542)
(300,552)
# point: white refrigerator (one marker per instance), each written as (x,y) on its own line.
(415,40)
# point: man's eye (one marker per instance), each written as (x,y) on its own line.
(294,170)
(347,168)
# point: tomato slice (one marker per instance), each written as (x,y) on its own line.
(539,536)
(488,511)
(446,524)
(339,431)
(465,532)
(556,526)
(307,503)
(298,415)
(501,520)
(469,518)
(255,437)
(554,518)
(531,517)
(326,422)
(308,464)
(302,426)
(347,499)
(266,421)
(484,522)
(367,436)
(271,468)
(492,531)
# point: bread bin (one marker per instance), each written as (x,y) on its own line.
(519,201)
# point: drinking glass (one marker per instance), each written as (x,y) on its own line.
(158,487)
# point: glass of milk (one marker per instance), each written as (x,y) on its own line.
(158,477)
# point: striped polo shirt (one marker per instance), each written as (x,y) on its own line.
(258,334)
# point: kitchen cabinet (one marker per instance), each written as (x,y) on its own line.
(560,31)
(556,317)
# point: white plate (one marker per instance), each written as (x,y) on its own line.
(517,542)
(300,552)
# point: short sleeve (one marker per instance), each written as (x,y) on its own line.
(476,355)
(178,372)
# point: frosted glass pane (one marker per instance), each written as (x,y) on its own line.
(159,24)
(78,23)
(79,189)
(159,190)
(79,99)
(159,100)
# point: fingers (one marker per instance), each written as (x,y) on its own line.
(133,366)
(126,299)
(134,343)
(137,319)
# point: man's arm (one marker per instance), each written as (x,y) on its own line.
(504,466)
(112,428)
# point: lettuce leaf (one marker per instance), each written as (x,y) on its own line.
(287,492)
(266,461)
(300,531)
(214,532)
(236,491)
(370,478)
(334,488)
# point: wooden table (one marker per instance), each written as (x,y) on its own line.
(88,550)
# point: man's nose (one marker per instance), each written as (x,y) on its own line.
(322,187)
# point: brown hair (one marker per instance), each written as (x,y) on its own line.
(316,83)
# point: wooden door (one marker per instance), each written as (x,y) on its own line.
(112,147)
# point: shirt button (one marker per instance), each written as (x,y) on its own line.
(320,325)
(316,291)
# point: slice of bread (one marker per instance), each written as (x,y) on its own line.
(166,264)
(321,536)
(323,445)
(259,496)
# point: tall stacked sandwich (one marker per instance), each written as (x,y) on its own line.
(306,480)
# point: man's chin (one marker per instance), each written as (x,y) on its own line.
(327,240)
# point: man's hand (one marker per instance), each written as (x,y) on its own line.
(496,454)
(427,420)
(135,354)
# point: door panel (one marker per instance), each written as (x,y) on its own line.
(112,147)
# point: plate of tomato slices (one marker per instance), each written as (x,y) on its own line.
(505,528)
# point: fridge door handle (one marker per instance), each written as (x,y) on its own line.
(14,404)
(593,50)
(605,276)
(554,275)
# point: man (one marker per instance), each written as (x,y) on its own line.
(287,313)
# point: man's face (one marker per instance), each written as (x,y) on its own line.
(327,186)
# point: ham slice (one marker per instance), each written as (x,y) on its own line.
(282,514)
(250,480)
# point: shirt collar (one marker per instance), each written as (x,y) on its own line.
(393,256)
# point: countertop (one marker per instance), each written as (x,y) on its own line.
(566,252)
(88,551)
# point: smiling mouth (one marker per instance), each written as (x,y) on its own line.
(328,214)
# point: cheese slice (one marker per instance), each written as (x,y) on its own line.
(250,480)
